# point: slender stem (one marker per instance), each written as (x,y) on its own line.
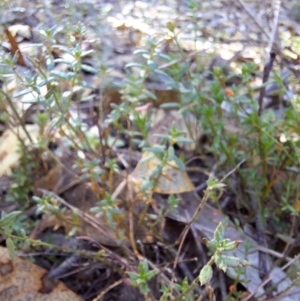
(12,106)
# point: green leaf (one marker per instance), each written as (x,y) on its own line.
(165,56)
(219,232)
(143,267)
(205,274)
(148,158)
(141,51)
(146,185)
(131,65)
(211,244)
(232,245)
(156,171)
(150,274)
(87,52)
(59,74)
(62,48)
(133,276)
(88,68)
(213,183)
(235,262)
(178,162)
(220,263)
(161,136)
(140,281)
(162,73)
(9,218)
(150,94)
(144,288)
(184,140)
(170,105)
(11,248)
(23,92)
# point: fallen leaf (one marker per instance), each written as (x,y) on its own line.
(172,180)
(23,280)
(10,145)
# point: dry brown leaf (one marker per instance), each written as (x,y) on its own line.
(10,145)
(15,48)
(171,181)
(22,280)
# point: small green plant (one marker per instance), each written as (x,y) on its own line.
(7,222)
(22,184)
(217,246)
(109,207)
(141,278)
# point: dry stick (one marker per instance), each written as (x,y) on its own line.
(263,259)
(263,269)
(271,36)
(266,73)
(105,291)
(268,67)
(274,253)
(275,26)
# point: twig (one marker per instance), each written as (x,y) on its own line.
(266,73)
(105,291)
(256,205)
(275,26)
(232,171)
